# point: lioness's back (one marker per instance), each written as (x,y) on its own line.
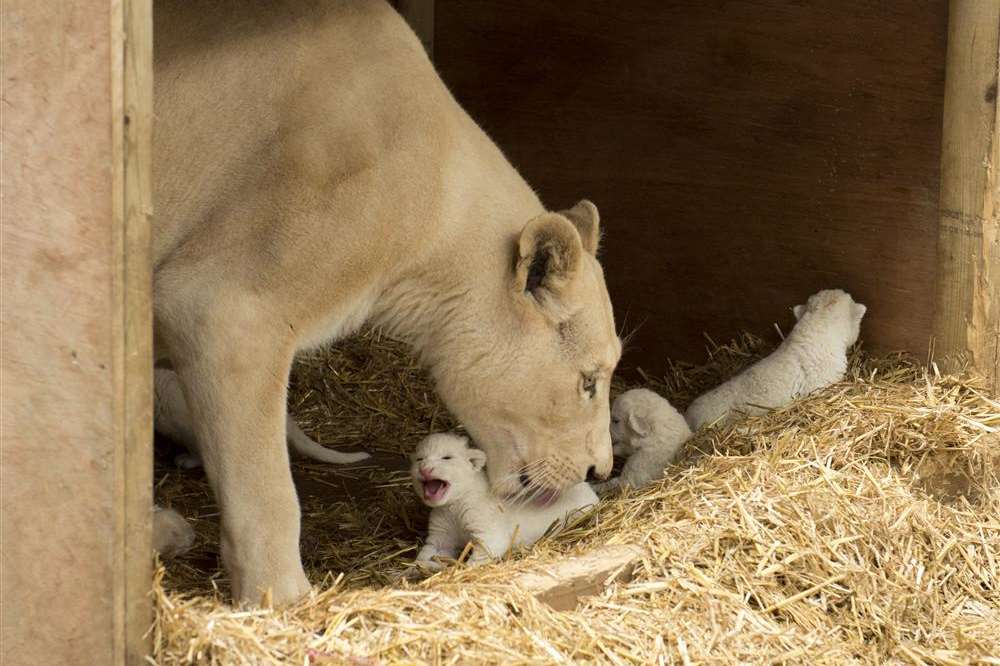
(252,97)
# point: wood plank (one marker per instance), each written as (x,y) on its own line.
(743,153)
(75,552)
(967,323)
(133,168)
(566,583)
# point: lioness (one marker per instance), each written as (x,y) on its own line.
(312,173)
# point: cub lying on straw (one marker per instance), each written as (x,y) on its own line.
(448,476)
(173,419)
(647,429)
(814,355)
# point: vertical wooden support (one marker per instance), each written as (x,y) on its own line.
(420,15)
(76,346)
(132,161)
(967,320)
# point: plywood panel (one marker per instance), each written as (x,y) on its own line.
(75,540)
(743,153)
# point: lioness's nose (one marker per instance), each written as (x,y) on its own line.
(603,457)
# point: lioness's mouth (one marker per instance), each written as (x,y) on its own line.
(546,497)
(536,497)
(435,489)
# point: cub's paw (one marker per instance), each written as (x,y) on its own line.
(172,535)
(187,460)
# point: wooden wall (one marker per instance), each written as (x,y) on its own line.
(743,153)
(76,345)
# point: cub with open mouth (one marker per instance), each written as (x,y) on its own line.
(449,476)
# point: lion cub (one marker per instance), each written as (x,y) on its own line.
(813,356)
(649,431)
(449,477)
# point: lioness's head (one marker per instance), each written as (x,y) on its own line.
(531,382)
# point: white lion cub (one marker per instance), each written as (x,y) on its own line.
(649,431)
(814,355)
(448,476)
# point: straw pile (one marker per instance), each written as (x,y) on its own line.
(860,525)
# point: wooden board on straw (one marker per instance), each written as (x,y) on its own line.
(563,584)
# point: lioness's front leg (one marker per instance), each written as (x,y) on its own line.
(235,388)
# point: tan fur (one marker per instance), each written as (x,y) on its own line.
(313,173)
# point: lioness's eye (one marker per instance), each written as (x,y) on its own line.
(590,385)
(615,420)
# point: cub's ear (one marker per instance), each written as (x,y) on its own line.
(859,311)
(639,425)
(477,458)
(587,221)
(798,311)
(549,256)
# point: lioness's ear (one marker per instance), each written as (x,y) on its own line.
(587,221)
(477,459)
(549,255)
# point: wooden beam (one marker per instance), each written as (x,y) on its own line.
(967,319)
(564,584)
(132,163)
(76,352)
(420,15)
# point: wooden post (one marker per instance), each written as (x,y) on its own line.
(967,320)
(132,161)
(76,318)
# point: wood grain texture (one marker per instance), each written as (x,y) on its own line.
(133,170)
(743,153)
(71,338)
(967,322)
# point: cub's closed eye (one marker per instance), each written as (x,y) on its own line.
(446,458)
(590,385)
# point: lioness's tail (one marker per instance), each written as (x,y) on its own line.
(305,446)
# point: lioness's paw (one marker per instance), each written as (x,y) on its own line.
(285,591)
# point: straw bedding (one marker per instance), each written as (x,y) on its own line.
(860,525)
